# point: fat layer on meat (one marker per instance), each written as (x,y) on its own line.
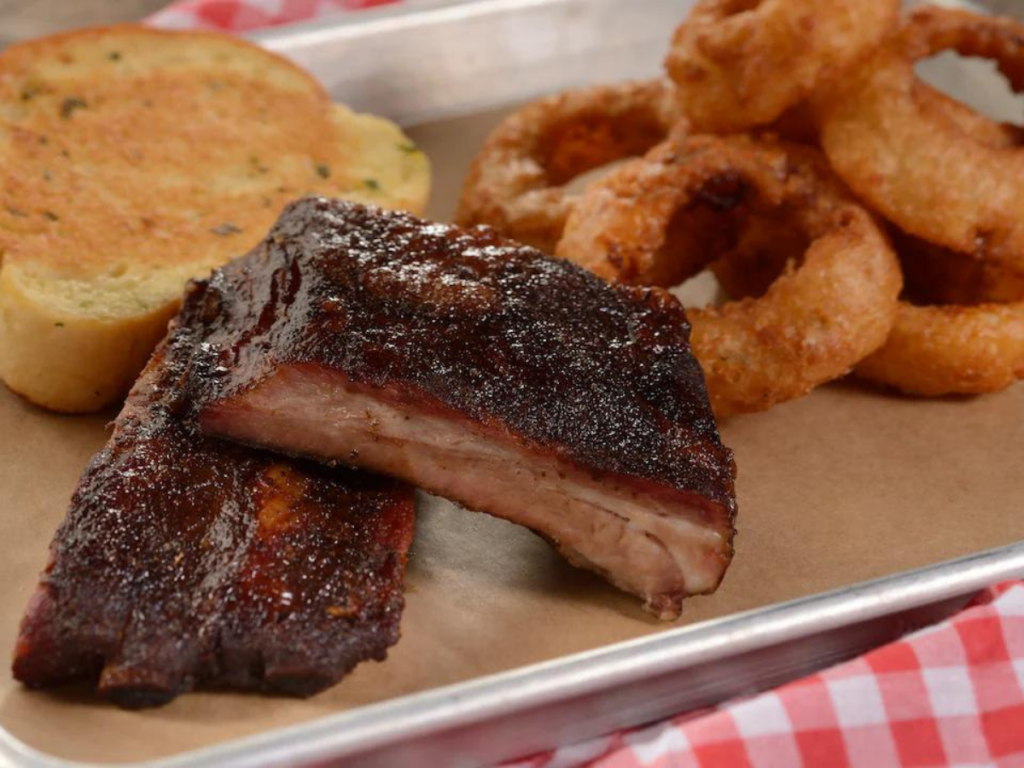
(483,371)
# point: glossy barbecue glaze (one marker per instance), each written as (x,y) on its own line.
(475,323)
(188,562)
(535,360)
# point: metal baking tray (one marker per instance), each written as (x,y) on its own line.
(446,61)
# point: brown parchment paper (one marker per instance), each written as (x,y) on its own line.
(845,485)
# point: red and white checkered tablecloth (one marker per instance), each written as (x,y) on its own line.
(952,694)
(246,15)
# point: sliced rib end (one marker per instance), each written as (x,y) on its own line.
(658,542)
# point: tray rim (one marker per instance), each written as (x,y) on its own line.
(305,41)
(502,694)
(360,730)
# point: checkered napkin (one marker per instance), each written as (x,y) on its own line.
(247,15)
(952,694)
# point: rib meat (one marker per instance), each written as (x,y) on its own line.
(482,371)
(185,562)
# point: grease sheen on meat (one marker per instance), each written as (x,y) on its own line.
(480,370)
(187,562)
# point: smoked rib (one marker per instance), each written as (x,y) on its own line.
(187,562)
(480,370)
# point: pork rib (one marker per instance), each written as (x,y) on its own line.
(187,562)
(482,371)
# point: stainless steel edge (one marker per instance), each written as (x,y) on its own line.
(585,695)
(452,60)
(630,683)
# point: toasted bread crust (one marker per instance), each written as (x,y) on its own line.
(132,159)
(75,365)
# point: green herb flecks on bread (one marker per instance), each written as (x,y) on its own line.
(134,159)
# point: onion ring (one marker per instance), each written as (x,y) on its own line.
(936,275)
(816,320)
(935,105)
(932,275)
(741,63)
(516,183)
(967,344)
(762,252)
(945,350)
(948,177)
